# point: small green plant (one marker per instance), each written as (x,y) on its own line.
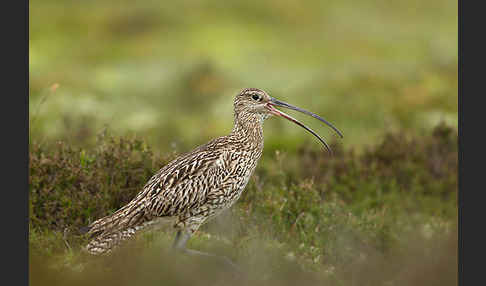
(336,217)
(70,186)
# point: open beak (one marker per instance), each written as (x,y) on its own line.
(275,102)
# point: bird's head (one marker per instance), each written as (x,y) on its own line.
(252,101)
(255,104)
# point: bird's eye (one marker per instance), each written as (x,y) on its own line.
(256,97)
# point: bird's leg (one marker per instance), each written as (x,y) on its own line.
(180,241)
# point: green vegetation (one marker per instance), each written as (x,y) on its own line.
(118,88)
(155,70)
(328,215)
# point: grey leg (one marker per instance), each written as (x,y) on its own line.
(180,245)
(181,240)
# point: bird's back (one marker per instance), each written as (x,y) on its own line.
(193,188)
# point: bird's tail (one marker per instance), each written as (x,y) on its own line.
(106,242)
(110,231)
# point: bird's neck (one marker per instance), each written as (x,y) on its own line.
(248,128)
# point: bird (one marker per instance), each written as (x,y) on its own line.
(198,185)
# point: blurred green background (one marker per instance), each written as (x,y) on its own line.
(168,71)
(384,208)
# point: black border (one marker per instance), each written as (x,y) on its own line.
(14,213)
(471,239)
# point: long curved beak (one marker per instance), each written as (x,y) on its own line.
(275,102)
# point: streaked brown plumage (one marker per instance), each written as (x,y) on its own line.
(198,185)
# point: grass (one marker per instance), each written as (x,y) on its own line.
(143,68)
(348,218)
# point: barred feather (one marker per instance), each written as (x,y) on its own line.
(194,187)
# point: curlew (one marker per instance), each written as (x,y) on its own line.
(199,185)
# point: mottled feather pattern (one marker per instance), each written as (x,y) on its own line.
(192,188)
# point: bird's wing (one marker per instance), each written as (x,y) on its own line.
(178,185)
(184,183)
